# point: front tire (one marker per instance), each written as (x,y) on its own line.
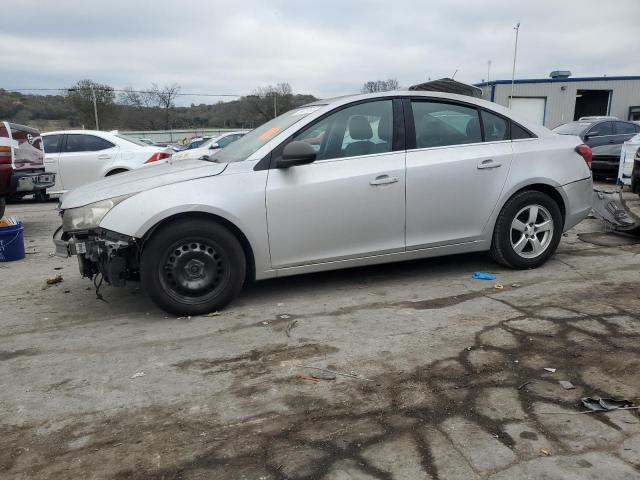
(527,231)
(192,267)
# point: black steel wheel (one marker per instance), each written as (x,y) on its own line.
(192,267)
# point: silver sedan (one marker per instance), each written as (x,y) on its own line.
(337,183)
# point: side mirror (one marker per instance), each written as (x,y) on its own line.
(213,146)
(296,153)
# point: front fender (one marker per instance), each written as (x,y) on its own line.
(237,198)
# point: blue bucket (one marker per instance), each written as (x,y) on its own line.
(11,243)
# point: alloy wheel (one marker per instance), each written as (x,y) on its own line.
(531,231)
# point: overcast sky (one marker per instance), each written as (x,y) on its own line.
(323,48)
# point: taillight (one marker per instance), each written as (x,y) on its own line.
(157,156)
(5,154)
(586,153)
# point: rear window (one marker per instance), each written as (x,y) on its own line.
(135,141)
(86,143)
(29,152)
(574,128)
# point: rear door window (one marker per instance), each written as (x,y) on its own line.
(85,143)
(495,128)
(440,124)
(624,128)
(518,133)
(52,143)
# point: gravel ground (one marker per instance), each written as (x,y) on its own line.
(438,376)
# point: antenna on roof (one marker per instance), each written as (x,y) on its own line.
(454,74)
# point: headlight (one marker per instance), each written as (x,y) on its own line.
(89,216)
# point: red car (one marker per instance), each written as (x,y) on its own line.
(21,163)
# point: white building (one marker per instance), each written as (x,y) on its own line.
(560,99)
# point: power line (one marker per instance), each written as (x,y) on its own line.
(123,90)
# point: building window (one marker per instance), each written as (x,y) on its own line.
(634,114)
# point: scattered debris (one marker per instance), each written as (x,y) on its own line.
(321,375)
(137,374)
(515,285)
(284,317)
(54,280)
(213,314)
(545,452)
(309,378)
(266,322)
(57,268)
(483,276)
(566,384)
(552,370)
(67,291)
(498,286)
(606,404)
(525,384)
(290,326)
(350,375)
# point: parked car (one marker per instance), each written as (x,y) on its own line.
(635,173)
(209,147)
(148,141)
(21,163)
(605,137)
(628,156)
(79,157)
(395,176)
(195,143)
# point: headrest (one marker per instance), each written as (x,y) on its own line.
(359,128)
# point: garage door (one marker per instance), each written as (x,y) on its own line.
(530,108)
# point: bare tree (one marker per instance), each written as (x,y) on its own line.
(380,86)
(271,100)
(165,98)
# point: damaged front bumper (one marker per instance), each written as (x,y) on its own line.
(113,255)
(611,206)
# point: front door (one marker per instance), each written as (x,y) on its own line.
(348,203)
(454,177)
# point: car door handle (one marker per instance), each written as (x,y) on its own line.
(104,157)
(383,180)
(488,164)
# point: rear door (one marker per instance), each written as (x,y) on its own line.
(52,145)
(454,178)
(84,158)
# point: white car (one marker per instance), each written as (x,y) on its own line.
(78,157)
(209,147)
(337,183)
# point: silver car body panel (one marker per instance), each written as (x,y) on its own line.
(332,213)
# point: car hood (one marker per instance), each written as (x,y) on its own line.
(145,178)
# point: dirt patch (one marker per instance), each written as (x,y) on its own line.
(606,239)
(10,355)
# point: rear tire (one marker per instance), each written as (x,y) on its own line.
(192,267)
(527,231)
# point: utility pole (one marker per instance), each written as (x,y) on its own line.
(275,104)
(513,71)
(95,106)
(488,77)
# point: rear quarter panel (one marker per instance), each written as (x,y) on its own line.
(549,160)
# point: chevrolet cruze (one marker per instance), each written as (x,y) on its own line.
(338,183)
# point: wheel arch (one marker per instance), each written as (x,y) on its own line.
(116,170)
(237,232)
(550,191)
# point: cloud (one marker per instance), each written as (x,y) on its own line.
(323,48)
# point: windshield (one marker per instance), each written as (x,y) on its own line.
(246,146)
(575,128)
(132,140)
